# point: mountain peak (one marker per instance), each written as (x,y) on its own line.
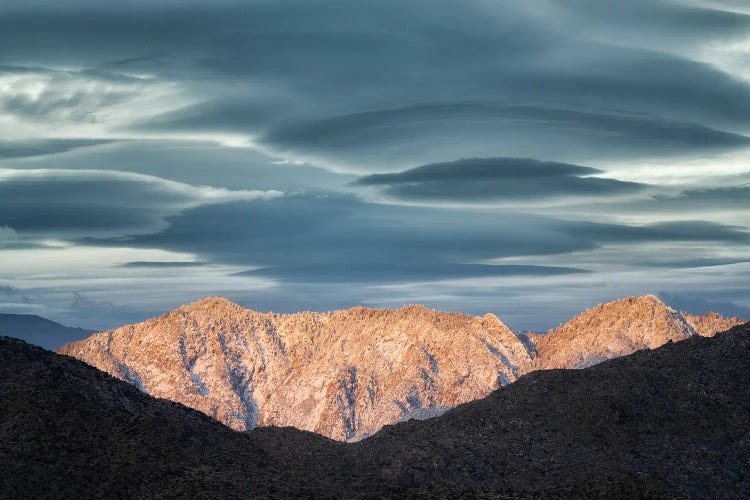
(211,303)
(347,373)
(610,330)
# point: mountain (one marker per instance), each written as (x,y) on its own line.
(39,331)
(348,373)
(610,330)
(710,323)
(665,423)
(343,374)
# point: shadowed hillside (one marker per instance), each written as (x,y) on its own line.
(671,421)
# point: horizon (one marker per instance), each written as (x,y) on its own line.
(46,342)
(525,161)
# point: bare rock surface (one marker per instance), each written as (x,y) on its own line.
(611,330)
(343,374)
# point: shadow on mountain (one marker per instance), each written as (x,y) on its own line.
(670,422)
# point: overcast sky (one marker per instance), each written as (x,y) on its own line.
(529,158)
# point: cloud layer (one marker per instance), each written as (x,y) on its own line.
(483,156)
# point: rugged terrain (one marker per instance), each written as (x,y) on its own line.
(343,374)
(672,422)
(347,373)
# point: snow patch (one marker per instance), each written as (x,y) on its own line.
(131,376)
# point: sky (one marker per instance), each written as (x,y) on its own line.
(525,158)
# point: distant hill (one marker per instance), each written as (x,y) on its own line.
(671,422)
(39,331)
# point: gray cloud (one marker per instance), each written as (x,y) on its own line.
(75,204)
(378,87)
(338,239)
(373,139)
(40,147)
(699,303)
(693,231)
(480,179)
(348,83)
(188,162)
(145,264)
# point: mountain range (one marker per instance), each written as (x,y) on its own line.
(672,422)
(348,373)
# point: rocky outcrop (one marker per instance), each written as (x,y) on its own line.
(343,374)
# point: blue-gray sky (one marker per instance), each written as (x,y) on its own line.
(527,158)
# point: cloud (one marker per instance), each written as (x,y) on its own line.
(7,235)
(385,86)
(187,162)
(79,203)
(364,273)
(341,239)
(644,89)
(41,147)
(697,231)
(145,264)
(49,110)
(699,303)
(371,140)
(488,179)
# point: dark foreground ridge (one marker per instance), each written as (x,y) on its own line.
(671,422)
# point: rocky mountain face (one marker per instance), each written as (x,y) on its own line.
(348,373)
(672,422)
(610,330)
(343,374)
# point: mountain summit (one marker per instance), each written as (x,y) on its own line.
(609,331)
(342,374)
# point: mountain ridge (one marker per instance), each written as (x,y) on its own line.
(346,373)
(343,374)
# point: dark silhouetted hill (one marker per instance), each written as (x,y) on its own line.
(672,421)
